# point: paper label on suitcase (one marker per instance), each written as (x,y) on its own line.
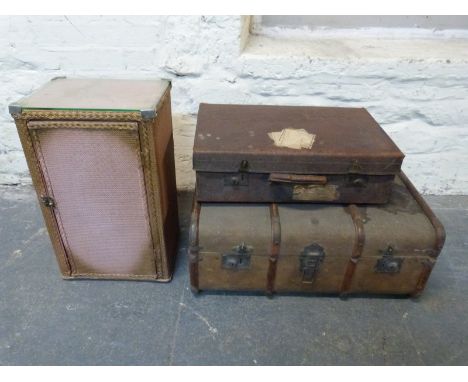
(315,192)
(293,138)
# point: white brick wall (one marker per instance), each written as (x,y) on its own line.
(419,98)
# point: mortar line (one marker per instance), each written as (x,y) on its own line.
(413,341)
(176,328)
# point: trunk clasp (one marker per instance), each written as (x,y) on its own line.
(309,262)
(388,263)
(237,258)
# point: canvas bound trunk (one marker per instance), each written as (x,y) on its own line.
(100,154)
(316,248)
(248,153)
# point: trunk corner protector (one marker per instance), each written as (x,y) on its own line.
(15,109)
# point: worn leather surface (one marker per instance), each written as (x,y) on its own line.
(344,137)
(349,149)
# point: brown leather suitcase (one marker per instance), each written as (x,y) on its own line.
(100,154)
(246,153)
(316,248)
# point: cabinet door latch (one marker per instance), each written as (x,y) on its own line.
(47,201)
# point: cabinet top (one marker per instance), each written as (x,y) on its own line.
(95,94)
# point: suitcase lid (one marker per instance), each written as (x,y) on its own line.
(292,139)
(115,95)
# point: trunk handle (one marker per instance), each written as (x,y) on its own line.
(296,178)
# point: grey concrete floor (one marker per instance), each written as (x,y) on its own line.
(46,320)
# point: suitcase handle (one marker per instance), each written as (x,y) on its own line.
(295,178)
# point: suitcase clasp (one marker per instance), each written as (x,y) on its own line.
(358,180)
(236,179)
(309,262)
(244,166)
(237,258)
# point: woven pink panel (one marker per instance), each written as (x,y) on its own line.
(96,179)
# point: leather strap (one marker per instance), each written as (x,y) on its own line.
(275,248)
(359,241)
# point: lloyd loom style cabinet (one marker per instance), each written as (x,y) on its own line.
(101,158)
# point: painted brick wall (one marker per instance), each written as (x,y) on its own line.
(420,100)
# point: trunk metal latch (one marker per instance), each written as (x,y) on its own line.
(237,258)
(309,262)
(388,263)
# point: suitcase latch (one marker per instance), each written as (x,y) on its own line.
(237,258)
(358,180)
(309,262)
(388,263)
(244,166)
(240,179)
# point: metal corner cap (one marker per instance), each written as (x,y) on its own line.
(148,113)
(15,108)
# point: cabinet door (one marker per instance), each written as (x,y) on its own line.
(95,185)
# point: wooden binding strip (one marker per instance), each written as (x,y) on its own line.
(439,233)
(275,248)
(359,241)
(193,249)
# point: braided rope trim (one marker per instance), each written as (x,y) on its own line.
(83,125)
(150,167)
(130,276)
(79,114)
